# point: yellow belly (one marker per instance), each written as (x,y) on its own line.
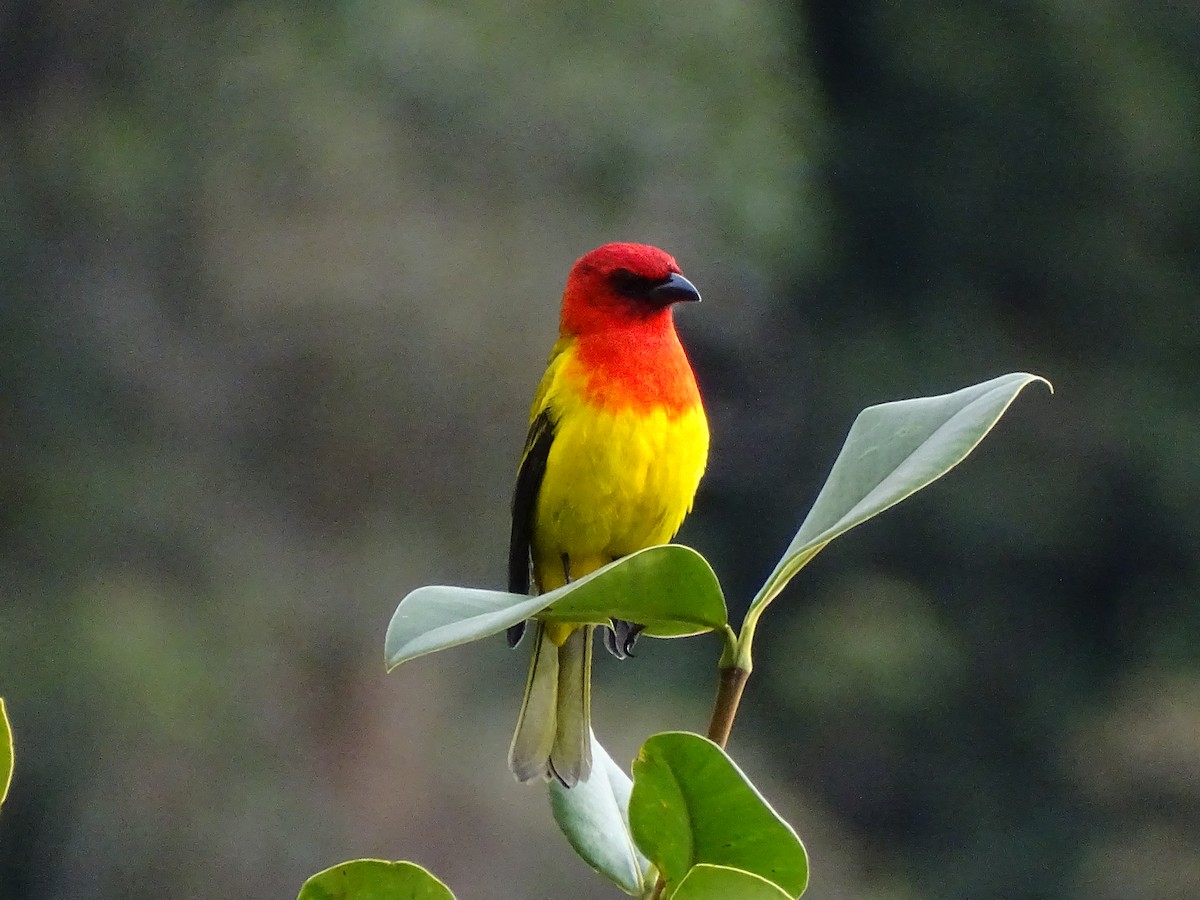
(615,482)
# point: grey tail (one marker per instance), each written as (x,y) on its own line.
(553,736)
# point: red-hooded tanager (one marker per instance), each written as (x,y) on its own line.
(617,444)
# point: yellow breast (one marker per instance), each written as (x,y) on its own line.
(617,479)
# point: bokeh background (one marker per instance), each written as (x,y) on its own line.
(277,281)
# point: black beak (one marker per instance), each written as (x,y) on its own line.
(675,289)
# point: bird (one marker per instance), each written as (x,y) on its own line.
(617,444)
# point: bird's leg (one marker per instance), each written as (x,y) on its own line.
(619,639)
(566,564)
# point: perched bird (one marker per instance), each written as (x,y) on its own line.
(617,444)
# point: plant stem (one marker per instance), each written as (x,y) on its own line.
(729,695)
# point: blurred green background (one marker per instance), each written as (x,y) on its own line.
(277,282)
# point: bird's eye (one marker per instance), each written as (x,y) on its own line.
(632,285)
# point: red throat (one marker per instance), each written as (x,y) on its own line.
(637,368)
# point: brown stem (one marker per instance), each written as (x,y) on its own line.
(729,695)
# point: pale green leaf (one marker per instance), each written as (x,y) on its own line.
(594,816)
(692,805)
(892,451)
(374,879)
(671,589)
(436,617)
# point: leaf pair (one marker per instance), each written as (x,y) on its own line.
(690,815)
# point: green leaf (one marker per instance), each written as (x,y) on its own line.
(892,451)
(671,589)
(374,879)
(6,752)
(705,882)
(691,805)
(434,618)
(594,816)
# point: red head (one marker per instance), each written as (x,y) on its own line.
(619,285)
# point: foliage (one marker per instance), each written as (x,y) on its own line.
(691,806)
(691,824)
(594,818)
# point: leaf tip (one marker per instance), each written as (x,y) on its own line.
(1031,377)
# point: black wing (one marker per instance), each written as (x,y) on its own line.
(529,483)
